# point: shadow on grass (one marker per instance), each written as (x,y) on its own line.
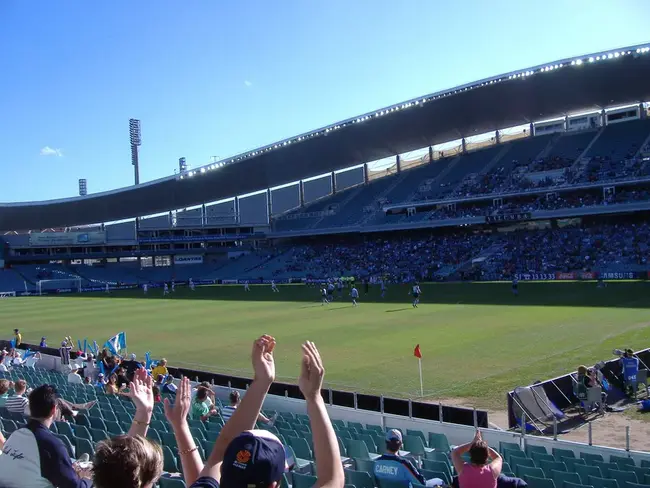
(553,294)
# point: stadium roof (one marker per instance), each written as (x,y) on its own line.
(583,83)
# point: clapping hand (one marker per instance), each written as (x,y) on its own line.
(312,372)
(140,391)
(177,413)
(262,358)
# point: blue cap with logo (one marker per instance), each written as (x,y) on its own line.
(394,435)
(253,459)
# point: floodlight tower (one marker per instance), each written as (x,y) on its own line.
(136,140)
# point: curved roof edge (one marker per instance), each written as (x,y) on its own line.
(414,102)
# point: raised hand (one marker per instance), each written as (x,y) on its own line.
(140,391)
(177,413)
(312,371)
(262,359)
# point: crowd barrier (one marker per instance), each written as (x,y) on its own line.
(358,401)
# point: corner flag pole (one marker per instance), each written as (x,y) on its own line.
(418,354)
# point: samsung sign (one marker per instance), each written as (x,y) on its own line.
(192,259)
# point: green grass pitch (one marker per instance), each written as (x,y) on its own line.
(477,340)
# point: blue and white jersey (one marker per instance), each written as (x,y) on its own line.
(354,293)
(630,368)
(416,290)
(330,287)
(391,467)
(34,457)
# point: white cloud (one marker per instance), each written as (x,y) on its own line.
(48,151)
(248,83)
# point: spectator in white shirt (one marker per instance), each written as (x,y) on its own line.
(75,378)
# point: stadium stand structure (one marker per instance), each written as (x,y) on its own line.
(360,434)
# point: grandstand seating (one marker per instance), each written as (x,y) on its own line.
(112,415)
(10,280)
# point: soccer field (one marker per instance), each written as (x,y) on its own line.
(477,340)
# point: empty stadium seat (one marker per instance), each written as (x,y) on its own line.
(536,482)
(360,479)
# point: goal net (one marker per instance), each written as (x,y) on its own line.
(61,285)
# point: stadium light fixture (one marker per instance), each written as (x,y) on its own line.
(579,62)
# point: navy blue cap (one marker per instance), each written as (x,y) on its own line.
(253,459)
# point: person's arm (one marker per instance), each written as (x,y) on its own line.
(56,467)
(246,414)
(177,417)
(141,394)
(457,453)
(326,447)
(2,441)
(497,462)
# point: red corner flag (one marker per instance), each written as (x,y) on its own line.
(417,353)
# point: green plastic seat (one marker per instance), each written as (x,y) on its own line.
(98,435)
(415,445)
(303,480)
(170,463)
(538,457)
(365,465)
(599,482)
(428,474)
(563,453)
(585,471)
(526,471)
(84,446)
(548,466)
(437,456)
(152,434)
(82,432)
(513,446)
(358,449)
(535,482)
(604,467)
(360,479)
(370,442)
(439,442)
(176,482)
(418,433)
(538,449)
(572,462)
(440,466)
(576,485)
(623,477)
(621,460)
(591,457)
(561,477)
(301,448)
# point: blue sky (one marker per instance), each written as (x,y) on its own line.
(218,77)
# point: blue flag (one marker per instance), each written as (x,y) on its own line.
(116,343)
(13,343)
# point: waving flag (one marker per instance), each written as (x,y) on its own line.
(116,343)
(417,353)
